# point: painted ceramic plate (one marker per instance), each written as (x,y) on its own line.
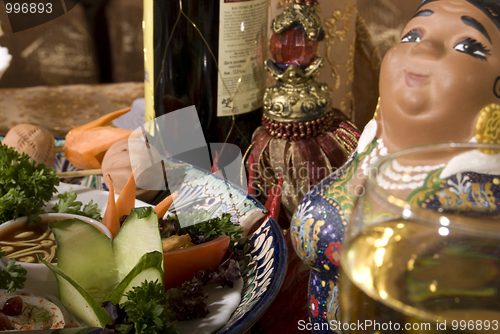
(263,265)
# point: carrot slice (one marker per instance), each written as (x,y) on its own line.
(126,199)
(162,207)
(86,145)
(111,219)
(86,149)
(103,120)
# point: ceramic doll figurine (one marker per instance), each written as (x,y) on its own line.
(441,83)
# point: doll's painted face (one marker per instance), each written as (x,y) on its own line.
(434,83)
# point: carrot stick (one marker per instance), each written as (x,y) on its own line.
(126,199)
(162,207)
(103,120)
(111,218)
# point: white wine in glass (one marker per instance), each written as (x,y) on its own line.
(424,261)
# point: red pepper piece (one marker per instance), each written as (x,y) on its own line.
(215,166)
(274,208)
(269,201)
(252,179)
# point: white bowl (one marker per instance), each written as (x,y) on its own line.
(40,279)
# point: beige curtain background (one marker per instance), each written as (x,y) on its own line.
(59,52)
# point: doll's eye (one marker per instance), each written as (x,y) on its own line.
(472,47)
(412,36)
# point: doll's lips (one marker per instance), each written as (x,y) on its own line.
(414,80)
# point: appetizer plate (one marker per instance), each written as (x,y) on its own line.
(263,265)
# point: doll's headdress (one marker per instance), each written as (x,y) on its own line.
(490,7)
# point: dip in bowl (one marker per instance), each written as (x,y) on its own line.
(24,244)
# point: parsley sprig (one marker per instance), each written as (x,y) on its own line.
(202,230)
(25,186)
(12,277)
(37,314)
(68,204)
(144,311)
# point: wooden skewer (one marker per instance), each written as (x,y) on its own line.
(79,173)
(88,172)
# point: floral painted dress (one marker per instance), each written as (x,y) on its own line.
(320,220)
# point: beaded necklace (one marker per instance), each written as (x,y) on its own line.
(397,176)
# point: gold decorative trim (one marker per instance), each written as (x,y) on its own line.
(366,41)
(343,104)
(337,28)
(488,127)
(302,15)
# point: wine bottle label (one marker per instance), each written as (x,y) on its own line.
(242,43)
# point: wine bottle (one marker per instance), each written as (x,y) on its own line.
(210,54)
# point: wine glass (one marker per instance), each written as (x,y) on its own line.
(421,253)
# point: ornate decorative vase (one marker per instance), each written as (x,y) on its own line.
(302,136)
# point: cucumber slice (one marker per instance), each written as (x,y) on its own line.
(91,267)
(139,234)
(149,268)
(77,300)
(86,255)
